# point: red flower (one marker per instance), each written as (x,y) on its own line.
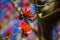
(1,5)
(6,16)
(10,7)
(26,5)
(25,28)
(10,31)
(28,13)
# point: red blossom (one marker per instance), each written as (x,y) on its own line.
(6,16)
(28,13)
(10,31)
(1,5)
(10,7)
(25,28)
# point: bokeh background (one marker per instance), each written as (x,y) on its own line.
(29,19)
